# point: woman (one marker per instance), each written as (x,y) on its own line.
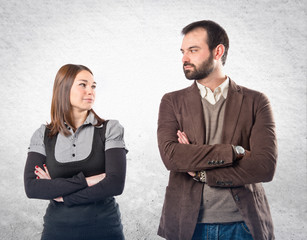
(78,161)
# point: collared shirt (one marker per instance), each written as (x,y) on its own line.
(213,97)
(78,145)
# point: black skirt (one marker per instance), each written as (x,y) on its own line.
(96,221)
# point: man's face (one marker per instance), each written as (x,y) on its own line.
(197,59)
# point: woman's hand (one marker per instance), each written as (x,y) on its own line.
(59,199)
(92,180)
(183,139)
(41,174)
(44,174)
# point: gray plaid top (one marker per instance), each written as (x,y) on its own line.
(78,145)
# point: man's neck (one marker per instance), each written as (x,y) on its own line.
(214,80)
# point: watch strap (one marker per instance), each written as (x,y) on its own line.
(200,176)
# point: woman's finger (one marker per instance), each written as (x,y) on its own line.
(46,170)
(41,173)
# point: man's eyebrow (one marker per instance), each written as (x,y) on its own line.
(194,47)
(189,48)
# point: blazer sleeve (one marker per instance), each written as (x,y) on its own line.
(186,157)
(260,164)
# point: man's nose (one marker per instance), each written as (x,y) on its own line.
(185,58)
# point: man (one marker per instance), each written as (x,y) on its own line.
(218,141)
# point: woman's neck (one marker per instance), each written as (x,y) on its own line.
(78,118)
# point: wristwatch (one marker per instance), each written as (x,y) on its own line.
(200,176)
(239,152)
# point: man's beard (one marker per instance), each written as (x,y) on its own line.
(202,72)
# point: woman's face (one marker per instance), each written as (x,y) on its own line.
(82,92)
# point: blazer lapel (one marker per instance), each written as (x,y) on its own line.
(195,110)
(232,111)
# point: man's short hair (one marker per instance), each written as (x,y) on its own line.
(216,35)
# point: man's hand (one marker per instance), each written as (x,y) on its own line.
(183,139)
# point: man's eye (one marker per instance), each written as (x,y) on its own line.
(193,50)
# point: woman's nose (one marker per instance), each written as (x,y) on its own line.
(90,91)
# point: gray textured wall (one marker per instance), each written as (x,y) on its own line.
(133,49)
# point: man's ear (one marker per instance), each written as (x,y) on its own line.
(218,52)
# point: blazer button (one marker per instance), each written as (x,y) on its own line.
(220,183)
(236,197)
(221,161)
(210,162)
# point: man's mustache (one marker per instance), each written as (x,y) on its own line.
(188,64)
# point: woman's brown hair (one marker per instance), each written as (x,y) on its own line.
(60,104)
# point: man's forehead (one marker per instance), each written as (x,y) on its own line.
(197,36)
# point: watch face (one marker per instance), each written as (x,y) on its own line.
(240,150)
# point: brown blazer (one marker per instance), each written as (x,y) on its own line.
(249,123)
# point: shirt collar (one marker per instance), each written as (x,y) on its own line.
(222,88)
(90,120)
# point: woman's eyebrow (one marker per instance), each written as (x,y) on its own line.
(84,80)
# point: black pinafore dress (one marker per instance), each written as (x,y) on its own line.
(94,221)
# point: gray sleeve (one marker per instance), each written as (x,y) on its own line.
(114,135)
(37,141)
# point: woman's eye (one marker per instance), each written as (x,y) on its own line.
(94,86)
(82,84)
